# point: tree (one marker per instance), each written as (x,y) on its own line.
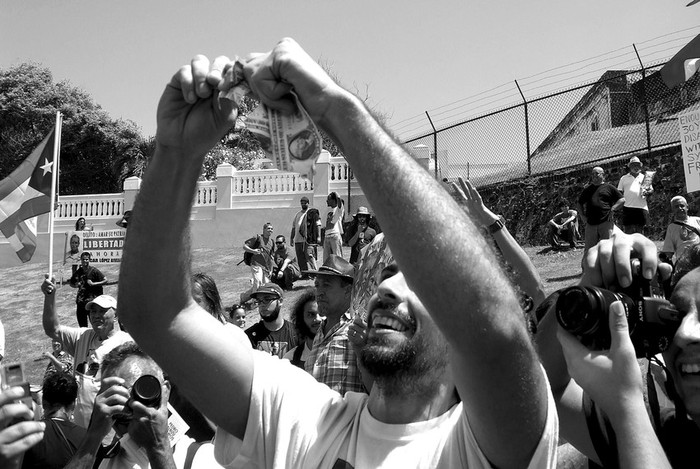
(97,152)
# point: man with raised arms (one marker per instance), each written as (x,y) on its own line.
(457,382)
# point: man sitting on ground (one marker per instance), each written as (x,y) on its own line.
(286,270)
(457,382)
(562,229)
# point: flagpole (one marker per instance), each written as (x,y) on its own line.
(54,179)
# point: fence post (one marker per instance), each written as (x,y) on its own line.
(527,128)
(434,144)
(644,99)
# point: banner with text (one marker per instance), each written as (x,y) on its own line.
(689,124)
(105,247)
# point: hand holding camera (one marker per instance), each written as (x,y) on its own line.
(610,377)
(149,422)
(627,265)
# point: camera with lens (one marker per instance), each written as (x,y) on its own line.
(653,321)
(145,390)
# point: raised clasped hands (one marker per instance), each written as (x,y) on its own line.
(191,117)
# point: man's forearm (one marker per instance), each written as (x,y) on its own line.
(441,254)
(165,278)
(161,458)
(637,443)
(401,190)
(49,317)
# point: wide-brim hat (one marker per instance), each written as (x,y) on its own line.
(335,266)
(634,160)
(362,211)
(268,289)
(103,301)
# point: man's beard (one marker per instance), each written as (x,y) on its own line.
(407,368)
(272,317)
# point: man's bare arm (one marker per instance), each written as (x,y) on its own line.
(483,323)
(49,317)
(155,302)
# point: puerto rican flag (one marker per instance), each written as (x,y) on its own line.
(684,64)
(24,194)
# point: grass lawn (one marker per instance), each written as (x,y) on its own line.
(23,300)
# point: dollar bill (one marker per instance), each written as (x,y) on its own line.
(291,141)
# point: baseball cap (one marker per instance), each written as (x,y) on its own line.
(268,289)
(103,301)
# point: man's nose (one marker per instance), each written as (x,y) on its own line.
(689,331)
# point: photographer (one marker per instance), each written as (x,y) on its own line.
(18,432)
(613,381)
(585,417)
(140,425)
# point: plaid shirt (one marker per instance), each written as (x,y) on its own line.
(332,360)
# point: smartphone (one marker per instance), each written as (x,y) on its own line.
(13,375)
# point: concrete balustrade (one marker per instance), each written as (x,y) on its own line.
(225,212)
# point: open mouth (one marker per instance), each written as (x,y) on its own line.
(384,322)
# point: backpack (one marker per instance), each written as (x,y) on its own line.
(253,243)
(312,226)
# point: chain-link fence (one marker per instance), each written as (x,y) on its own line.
(622,113)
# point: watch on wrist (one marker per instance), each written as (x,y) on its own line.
(497,225)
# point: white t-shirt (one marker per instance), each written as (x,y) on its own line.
(131,456)
(631,188)
(296,422)
(334,220)
(679,238)
(298,219)
(87,349)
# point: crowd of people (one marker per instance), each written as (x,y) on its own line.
(454,358)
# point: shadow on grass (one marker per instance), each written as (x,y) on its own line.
(564,278)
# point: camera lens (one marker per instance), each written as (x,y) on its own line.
(146,390)
(578,310)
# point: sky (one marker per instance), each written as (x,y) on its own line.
(407,57)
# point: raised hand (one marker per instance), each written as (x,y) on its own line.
(191,118)
(470,198)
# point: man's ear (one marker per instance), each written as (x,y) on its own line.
(165,391)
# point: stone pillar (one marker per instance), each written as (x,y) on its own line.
(321,181)
(224,185)
(131,189)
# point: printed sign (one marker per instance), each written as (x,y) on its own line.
(689,125)
(105,247)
